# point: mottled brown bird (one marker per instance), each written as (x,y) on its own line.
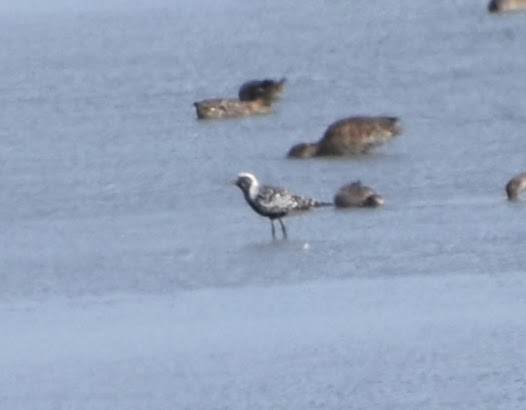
(225,108)
(350,136)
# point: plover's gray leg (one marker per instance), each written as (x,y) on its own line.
(283,229)
(273,229)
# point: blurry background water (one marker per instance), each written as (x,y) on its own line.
(118,209)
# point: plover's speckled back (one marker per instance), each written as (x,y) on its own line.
(274,202)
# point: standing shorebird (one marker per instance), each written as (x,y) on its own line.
(273,202)
(350,136)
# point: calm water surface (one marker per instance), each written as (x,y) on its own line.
(118,209)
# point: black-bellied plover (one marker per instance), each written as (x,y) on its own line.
(270,90)
(356,194)
(350,136)
(515,186)
(498,6)
(229,108)
(273,202)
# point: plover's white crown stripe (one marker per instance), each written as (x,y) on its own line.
(248,175)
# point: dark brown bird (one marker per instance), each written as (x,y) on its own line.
(515,186)
(350,136)
(270,90)
(357,195)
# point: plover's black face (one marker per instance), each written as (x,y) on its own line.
(245,181)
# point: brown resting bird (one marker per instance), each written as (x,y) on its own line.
(357,195)
(350,136)
(229,108)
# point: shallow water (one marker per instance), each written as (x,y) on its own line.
(124,239)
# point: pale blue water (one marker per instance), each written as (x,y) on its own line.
(122,234)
